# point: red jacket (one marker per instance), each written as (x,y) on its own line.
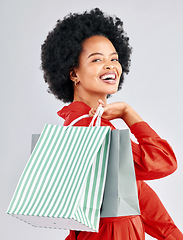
(153,158)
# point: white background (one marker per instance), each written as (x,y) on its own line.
(153,88)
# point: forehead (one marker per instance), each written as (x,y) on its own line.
(97,44)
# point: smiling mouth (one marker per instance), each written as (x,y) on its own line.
(109,77)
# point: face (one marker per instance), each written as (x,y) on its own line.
(99,70)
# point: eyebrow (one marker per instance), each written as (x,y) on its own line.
(97,53)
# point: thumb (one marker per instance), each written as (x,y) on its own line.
(92,112)
(101,102)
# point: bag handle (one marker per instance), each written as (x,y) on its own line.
(97,115)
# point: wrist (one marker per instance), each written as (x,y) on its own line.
(130,116)
(124,110)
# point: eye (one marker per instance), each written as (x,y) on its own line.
(96,60)
(115,60)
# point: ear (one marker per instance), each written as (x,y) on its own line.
(73,75)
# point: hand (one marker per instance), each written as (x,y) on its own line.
(111,111)
(118,110)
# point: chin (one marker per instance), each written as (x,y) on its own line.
(112,91)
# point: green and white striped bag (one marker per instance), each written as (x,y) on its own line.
(63,182)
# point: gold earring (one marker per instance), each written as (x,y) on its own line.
(76,83)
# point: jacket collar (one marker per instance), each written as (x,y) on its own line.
(77,107)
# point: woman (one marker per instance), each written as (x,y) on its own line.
(84,59)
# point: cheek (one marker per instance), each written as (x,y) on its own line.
(92,71)
(86,74)
(119,67)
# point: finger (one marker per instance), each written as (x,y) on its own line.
(92,112)
(101,102)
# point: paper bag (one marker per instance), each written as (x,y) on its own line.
(120,194)
(62,184)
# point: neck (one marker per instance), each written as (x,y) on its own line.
(91,101)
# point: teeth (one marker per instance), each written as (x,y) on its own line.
(110,76)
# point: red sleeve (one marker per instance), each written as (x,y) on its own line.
(153,156)
(157,221)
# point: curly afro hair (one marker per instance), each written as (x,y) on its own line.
(63,45)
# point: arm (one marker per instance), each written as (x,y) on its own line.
(118,110)
(156,219)
(153,156)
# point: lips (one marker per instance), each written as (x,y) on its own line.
(109,77)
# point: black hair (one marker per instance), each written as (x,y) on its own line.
(63,45)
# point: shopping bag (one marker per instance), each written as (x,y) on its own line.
(63,182)
(120,194)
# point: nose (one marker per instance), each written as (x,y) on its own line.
(109,66)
